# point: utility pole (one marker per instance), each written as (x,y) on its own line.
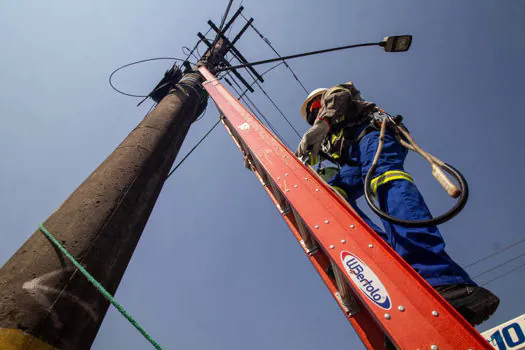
(45,303)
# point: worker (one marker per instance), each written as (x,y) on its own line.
(340,120)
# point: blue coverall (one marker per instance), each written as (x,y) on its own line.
(422,247)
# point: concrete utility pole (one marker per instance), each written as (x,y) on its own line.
(44,302)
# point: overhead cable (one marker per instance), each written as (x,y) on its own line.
(499,265)
(277,53)
(495,253)
(503,274)
(134,63)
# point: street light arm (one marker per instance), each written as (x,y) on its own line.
(390,44)
(297,56)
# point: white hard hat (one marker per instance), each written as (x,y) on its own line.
(311,96)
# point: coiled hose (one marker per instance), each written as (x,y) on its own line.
(437,171)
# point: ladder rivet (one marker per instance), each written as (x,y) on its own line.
(287,190)
(295,186)
(332,246)
(370,246)
(387,316)
(306,178)
(435,313)
(316,190)
(343,241)
(434,347)
(316,226)
(401,308)
(352,226)
(326,221)
(285,174)
(278,178)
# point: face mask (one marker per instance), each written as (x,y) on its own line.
(312,110)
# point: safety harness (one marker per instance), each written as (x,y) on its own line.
(343,136)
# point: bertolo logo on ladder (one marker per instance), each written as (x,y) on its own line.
(366,280)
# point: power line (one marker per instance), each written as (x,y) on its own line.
(259,114)
(212,128)
(280,111)
(218,35)
(277,53)
(503,274)
(230,2)
(273,102)
(134,63)
(495,253)
(500,265)
(256,63)
(193,149)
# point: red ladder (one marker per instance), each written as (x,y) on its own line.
(377,290)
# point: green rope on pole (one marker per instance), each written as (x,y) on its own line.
(100,288)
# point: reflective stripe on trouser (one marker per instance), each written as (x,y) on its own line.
(422,247)
(387,177)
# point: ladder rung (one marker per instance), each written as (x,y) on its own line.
(307,242)
(345,292)
(282,203)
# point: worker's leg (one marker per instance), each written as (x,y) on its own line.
(348,182)
(422,247)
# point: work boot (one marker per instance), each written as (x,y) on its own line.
(475,304)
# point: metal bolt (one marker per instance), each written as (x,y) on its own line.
(352,226)
(316,190)
(326,221)
(370,246)
(278,178)
(435,313)
(434,347)
(287,190)
(401,308)
(286,174)
(316,226)
(295,186)
(332,246)
(306,178)
(343,241)
(387,316)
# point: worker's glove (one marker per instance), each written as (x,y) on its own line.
(312,139)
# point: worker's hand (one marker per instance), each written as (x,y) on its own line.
(312,139)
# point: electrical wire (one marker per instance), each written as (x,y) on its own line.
(304,54)
(503,274)
(134,63)
(255,80)
(196,45)
(193,149)
(190,52)
(277,53)
(248,101)
(499,265)
(230,2)
(223,20)
(240,96)
(278,109)
(259,114)
(494,253)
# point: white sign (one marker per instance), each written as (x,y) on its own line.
(508,336)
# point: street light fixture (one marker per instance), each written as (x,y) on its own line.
(398,43)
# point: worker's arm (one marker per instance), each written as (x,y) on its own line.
(334,104)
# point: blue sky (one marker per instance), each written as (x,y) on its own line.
(216,267)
